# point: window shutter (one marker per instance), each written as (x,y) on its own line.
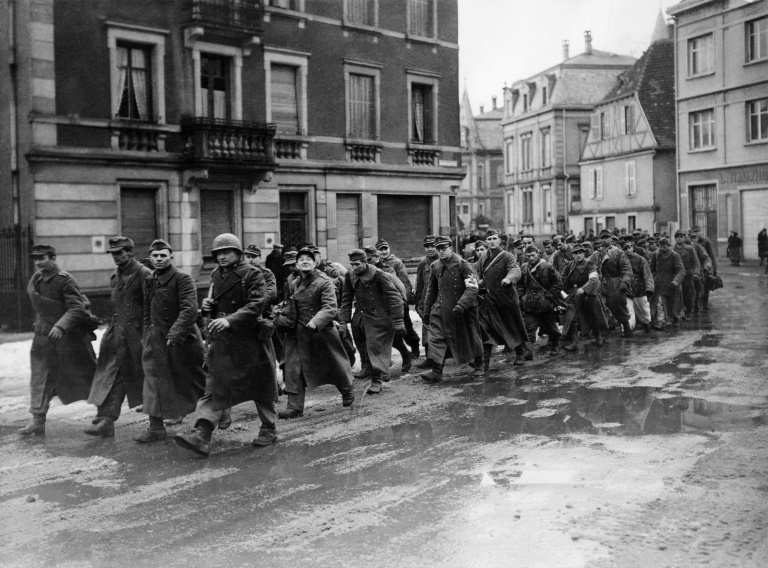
(599,184)
(591,183)
(284,98)
(595,126)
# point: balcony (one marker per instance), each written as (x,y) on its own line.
(227,16)
(361,152)
(287,148)
(213,141)
(424,157)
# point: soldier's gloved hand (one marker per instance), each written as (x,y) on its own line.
(208,305)
(55,334)
(458,310)
(217,325)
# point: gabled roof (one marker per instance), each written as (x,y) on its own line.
(686,5)
(485,132)
(598,58)
(652,80)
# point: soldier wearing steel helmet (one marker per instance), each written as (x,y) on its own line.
(240,362)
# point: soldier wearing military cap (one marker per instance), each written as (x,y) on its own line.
(423,272)
(378,313)
(701,285)
(563,255)
(173,347)
(240,362)
(62,359)
(641,287)
(581,283)
(668,272)
(539,289)
(549,250)
(119,373)
(692,271)
(615,279)
(450,310)
(389,259)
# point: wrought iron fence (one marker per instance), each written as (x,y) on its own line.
(15,310)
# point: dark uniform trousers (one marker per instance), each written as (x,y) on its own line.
(546,322)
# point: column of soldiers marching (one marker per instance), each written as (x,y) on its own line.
(170,356)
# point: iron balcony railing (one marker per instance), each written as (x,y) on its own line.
(237,14)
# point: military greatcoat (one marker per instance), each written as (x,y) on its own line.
(65,368)
(173,374)
(459,332)
(586,310)
(615,280)
(499,310)
(120,351)
(317,354)
(423,271)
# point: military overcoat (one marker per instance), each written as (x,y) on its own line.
(499,309)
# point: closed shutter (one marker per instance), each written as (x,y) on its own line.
(284,98)
(403,222)
(348,222)
(362,106)
(754,218)
(138,217)
(216,217)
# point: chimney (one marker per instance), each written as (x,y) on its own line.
(493,98)
(565,49)
(588,42)
(482,109)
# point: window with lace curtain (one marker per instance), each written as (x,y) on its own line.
(134,65)
(362,12)
(421,18)
(421,112)
(214,81)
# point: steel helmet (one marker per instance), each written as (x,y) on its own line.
(226,241)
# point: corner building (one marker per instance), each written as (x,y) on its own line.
(332,122)
(721,54)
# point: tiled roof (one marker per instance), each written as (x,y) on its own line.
(582,86)
(489,131)
(686,5)
(598,58)
(652,78)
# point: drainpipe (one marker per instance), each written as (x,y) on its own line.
(566,192)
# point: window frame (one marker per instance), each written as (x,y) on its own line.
(408,23)
(750,114)
(299,60)
(628,119)
(300,6)
(235,75)
(371,70)
(372,4)
(603,125)
(596,183)
(693,124)
(749,57)
(630,178)
(433,81)
(509,162)
(526,152)
(526,196)
(546,147)
(708,51)
(546,203)
(154,40)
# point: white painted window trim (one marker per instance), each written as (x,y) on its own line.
(414,77)
(152,38)
(363,68)
(235,79)
(298,59)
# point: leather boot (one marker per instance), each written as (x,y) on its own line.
(406,361)
(599,338)
(375,387)
(266,437)
(105,428)
(155,433)
(365,373)
(35,427)
(487,351)
(554,348)
(198,441)
(627,330)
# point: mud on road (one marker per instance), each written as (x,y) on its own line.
(649,452)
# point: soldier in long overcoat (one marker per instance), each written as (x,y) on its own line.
(389,259)
(701,285)
(62,359)
(540,279)
(173,347)
(314,353)
(378,315)
(581,283)
(707,244)
(668,273)
(119,373)
(451,311)
(615,278)
(641,286)
(500,316)
(423,271)
(240,362)
(692,271)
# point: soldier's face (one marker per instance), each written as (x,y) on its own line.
(679,239)
(444,252)
(527,241)
(480,249)
(629,250)
(605,242)
(121,257)
(305,263)
(493,241)
(44,262)
(161,259)
(430,251)
(562,245)
(358,266)
(652,247)
(664,248)
(227,258)
(578,256)
(252,259)
(548,249)
(533,258)
(384,253)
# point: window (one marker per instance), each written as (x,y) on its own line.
(757,39)
(525,103)
(701,55)
(465,209)
(546,149)
(603,126)
(757,120)
(528,206)
(480,176)
(627,119)
(703,200)
(421,17)
(510,157)
(293,218)
(546,202)
(525,152)
(511,207)
(631,223)
(575,192)
(589,225)
(361,12)
(422,105)
(217,209)
(499,175)
(630,178)
(362,105)
(610,222)
(214,79)
(543,96)
(702,129)
(286,83)
(595,183)
(137,73)
(297,5)
(138,216)
(134,78)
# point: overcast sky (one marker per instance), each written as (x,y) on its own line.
(508,40)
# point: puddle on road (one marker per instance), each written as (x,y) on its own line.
(683,364)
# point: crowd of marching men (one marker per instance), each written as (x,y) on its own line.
(171,355)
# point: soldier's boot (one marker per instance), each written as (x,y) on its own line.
(554,347)
(105,428)
(365,373)
(427,362)
(198,440)
(647,329)
(434,375)
(487,351)
(627,330)
(520,355)
(376,386)
(477,367)
(347,396)
(36,427)
(406,361)
(155,433)
(225,421)
(599,341)
(266,437)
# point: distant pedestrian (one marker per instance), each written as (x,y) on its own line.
(62,359)
(734,248)
(274,262)
(387,257)
(762,245)
(119,373)
(692,271)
